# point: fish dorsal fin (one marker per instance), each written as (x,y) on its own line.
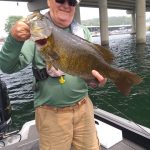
(105,53)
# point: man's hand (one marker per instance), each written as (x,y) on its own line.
(99,77)
(20,31)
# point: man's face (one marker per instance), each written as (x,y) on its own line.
(61,13)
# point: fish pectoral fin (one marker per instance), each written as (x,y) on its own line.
(126,80)
(105,53)
(55,67)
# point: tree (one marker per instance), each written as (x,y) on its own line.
(10,21)
(112,21)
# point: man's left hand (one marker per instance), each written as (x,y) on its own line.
(100,78)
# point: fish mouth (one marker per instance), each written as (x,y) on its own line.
(41,41)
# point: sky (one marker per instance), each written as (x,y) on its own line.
(9,9)
(20,8)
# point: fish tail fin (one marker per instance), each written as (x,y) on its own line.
(126,80)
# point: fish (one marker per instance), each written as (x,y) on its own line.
(78,57)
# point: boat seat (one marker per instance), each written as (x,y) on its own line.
(108,135)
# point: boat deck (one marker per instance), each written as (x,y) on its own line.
(32,144)
(125,145)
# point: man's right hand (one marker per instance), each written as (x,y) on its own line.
(20,31)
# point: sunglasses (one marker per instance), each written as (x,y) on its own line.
(70,2)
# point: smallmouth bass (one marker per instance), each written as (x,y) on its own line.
(76,56)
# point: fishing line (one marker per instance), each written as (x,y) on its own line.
(146,132)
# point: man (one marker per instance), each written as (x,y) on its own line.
(63,112)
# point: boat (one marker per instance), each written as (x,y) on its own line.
(114,133)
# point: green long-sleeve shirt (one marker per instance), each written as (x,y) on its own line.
(16,55)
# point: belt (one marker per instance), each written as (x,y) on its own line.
(67,108)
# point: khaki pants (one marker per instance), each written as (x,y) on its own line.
(60,128)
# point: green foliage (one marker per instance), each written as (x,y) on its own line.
(112,21)
(10,21)
(119,21)
(148,28)
(91,22)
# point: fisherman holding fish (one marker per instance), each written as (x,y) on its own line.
(63,110)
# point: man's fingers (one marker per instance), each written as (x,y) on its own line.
(20,31)
(99,77)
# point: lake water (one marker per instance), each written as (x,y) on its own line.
(128,55)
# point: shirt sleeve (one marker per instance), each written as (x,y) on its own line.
(16,55)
